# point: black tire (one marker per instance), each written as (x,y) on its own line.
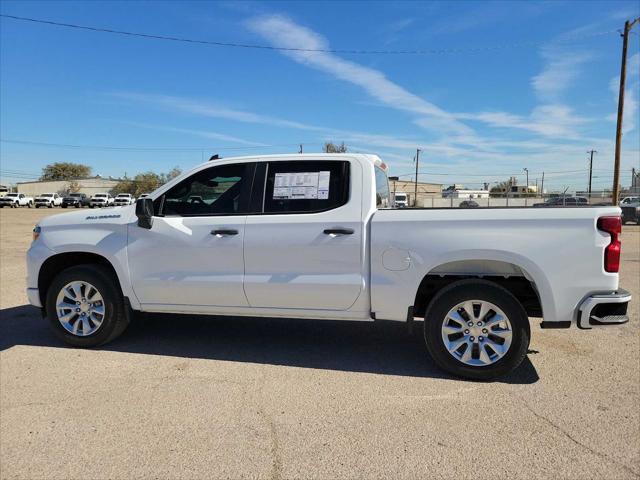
(116,319)
(475,289)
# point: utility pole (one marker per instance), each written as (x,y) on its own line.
(628,25)
(415,193)
(300,149)
(527,191)
(591,152)
(542,186)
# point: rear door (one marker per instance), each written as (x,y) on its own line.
(303,241)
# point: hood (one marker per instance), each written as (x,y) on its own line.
(88,217)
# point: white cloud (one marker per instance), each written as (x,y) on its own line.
(630,117)
(200,133)
(208,109)
(550,120)
(562,67)
(282,32)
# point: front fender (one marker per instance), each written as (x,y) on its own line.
(108,240)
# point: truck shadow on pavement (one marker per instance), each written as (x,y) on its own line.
(382,347)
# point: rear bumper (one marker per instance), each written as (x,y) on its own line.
(604,309)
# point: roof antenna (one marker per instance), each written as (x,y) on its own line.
(215,157)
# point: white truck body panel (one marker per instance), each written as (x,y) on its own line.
(558,249)
(210,275)
(283,265)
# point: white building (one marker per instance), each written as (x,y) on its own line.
(461,192)
(89,186)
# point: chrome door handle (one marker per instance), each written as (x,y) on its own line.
(338,231)
(223,232)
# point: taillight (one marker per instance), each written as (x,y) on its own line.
(613,226)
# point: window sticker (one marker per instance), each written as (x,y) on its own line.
(301,185)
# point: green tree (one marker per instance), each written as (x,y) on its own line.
(65,171)
(330,147)
(170,175)
(144,182)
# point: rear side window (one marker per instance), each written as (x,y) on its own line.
(383,196)
(306,187)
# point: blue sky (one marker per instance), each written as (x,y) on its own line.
(509,85)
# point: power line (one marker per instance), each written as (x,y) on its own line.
(502,174)
(427,51)
(141,149)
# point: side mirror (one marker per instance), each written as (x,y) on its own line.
(144,212)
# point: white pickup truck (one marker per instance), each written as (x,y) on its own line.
(49,200)
(123,199)
(100,200)
(15,200)
(312,236)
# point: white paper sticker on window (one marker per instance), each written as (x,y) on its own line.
(301,185)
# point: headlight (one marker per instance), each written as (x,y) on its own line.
(36,232)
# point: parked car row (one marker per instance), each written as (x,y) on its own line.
(77,200)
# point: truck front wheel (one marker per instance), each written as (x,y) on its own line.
(476,329)
(85,307)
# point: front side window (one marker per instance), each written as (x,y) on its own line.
(383,196)
(219,190)
(306,187)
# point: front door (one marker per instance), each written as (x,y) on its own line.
(304,249)
(193,254)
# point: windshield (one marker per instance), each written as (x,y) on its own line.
(47,195)
(100,195)
(124,195)
(11,195)
(76,194)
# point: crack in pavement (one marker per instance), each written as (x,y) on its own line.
(577,442)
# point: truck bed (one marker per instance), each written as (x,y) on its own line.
(559,250)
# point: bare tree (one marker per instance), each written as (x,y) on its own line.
(330,147)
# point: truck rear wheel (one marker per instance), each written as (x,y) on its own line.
(85,306)
(476,329)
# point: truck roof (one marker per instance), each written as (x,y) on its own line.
(375,159)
